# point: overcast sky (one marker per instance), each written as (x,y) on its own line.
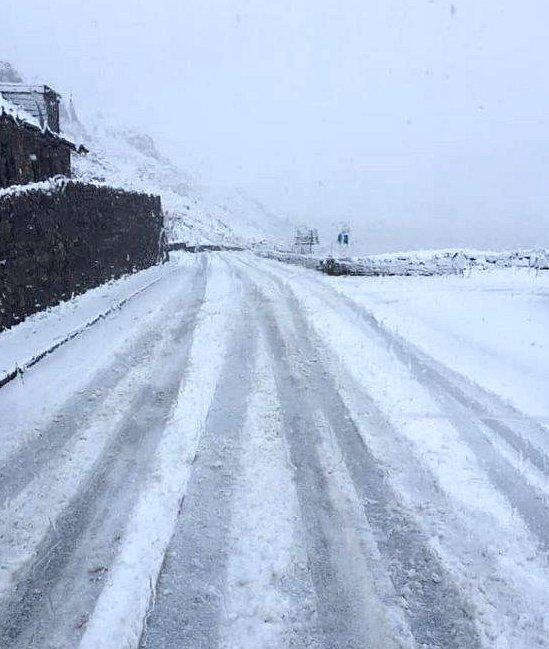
(423,122)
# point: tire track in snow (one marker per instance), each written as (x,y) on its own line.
(117,620)
(470,547)
(189,601)
(269,599)
(57,588)
(386,620)
(527,437)
(436,612)
(511,593)
(531,504)
(471,417)
(99,396)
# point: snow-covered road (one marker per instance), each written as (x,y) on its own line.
(251,455)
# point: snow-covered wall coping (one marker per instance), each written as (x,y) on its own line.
(59,183)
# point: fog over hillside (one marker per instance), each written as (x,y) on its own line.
(194,213)
(424,124)
(124,157)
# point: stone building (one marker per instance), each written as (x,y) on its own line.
(31,147)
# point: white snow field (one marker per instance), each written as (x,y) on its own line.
(247,454)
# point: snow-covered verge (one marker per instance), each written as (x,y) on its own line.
(40,332)
(491,326)
(414,263)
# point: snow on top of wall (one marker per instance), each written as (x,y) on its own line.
(444,252)
(57,183)
(468,256)
(45,186)
(426,262)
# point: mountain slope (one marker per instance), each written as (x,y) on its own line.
(123,157)
(126,158)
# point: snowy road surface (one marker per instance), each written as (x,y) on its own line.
(246,455)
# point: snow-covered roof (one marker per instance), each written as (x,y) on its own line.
(24,88)
(6,107)
(23,117)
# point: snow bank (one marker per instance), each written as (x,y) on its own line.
(417,263)
(46,330)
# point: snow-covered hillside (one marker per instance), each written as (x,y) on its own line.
(126,158)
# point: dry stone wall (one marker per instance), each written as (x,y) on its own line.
(64,238)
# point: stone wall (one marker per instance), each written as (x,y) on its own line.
(62,238)
(28,155)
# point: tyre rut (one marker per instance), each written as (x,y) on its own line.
(60,577)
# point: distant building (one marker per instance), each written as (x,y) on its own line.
(31,147)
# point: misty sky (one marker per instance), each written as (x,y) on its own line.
(423,122)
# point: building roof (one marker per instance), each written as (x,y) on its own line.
(18,113)
(20,116)
(26,88)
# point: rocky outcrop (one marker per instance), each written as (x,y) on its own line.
(8,74)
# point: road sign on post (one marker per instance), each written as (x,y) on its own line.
(305,239)
(344,235)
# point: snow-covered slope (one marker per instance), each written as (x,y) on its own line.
(126,158)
